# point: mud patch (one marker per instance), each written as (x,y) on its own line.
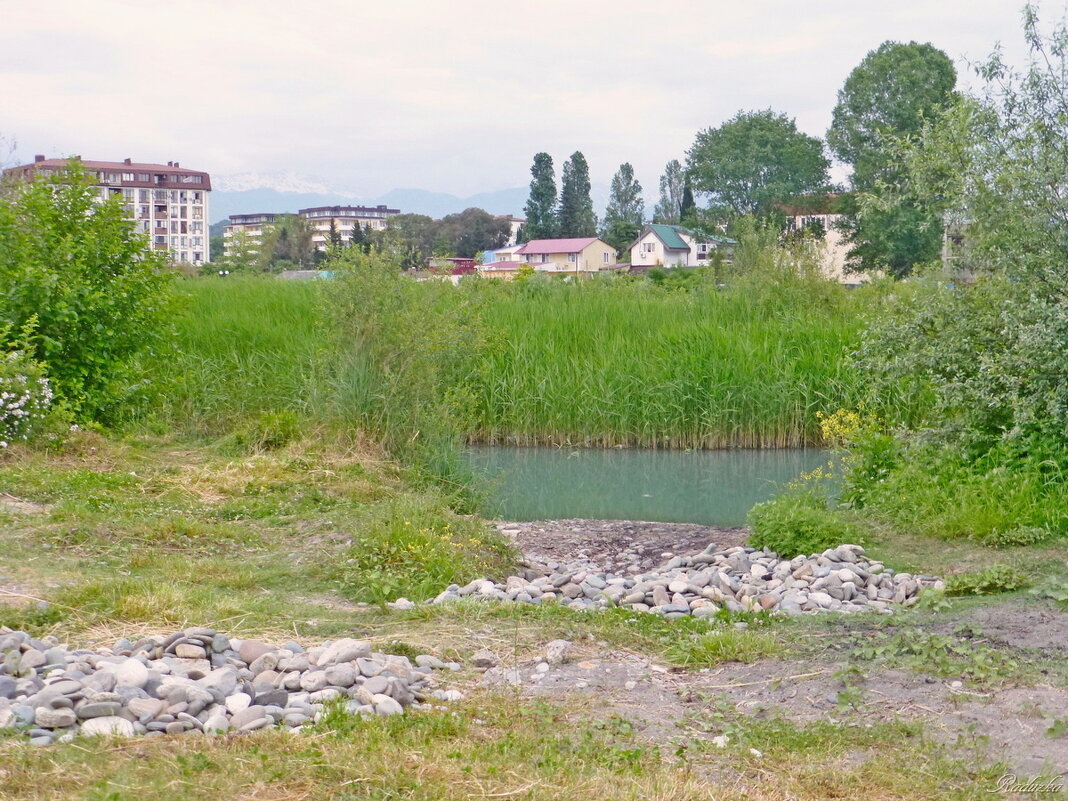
(616,544)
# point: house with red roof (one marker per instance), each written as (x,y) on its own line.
(581,256)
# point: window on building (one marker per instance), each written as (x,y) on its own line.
(605,257)
(648,247)
(144,177)
(572,258)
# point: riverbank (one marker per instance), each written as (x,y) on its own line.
(926,701)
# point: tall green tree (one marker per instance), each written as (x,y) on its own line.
(473,230)
(754,161)
(626,209)
(672,184)
(333,238)
(575,217)
(887,97)
(540,210)
(688,207)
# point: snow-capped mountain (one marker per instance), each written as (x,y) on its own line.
(278,180)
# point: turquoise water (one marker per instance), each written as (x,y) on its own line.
(711,487)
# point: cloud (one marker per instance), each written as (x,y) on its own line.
(451,96)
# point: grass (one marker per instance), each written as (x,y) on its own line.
(158,533)
(495,746)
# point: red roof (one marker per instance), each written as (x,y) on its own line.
(114,166)
(557,245)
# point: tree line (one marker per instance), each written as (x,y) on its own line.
(758,163)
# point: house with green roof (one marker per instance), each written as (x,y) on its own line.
(661,245)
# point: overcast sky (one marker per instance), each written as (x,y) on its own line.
(453,96)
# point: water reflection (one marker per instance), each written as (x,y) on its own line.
(710,487)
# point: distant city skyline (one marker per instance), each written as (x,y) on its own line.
(452,98)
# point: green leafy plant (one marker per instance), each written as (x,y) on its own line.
(799,522)
(989,581)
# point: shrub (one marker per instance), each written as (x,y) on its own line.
(799,523)
(989,581)
(78,268)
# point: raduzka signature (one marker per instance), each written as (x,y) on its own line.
(1040,784)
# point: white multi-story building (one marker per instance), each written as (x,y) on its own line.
(167,202)
(344,220)
(247,230)
(245,233)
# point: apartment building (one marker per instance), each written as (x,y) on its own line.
(167,202)
(344,219)
(245,233)
(247,230)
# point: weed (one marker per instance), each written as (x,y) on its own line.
(988,581)
(939,655)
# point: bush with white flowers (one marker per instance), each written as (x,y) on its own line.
(25,396)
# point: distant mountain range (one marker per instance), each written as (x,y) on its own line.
(225,202)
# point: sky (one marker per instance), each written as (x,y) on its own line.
(450,96)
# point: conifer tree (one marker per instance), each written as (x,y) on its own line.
(575,217)
(541,205)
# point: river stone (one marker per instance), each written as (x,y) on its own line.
(131,673)
(98,709)
(251,650)
(54,718)
(8,687)
(216,722)
(384,705)
(248,715)
(484,659)
(342,675)
(238,702)
(344,650)
(187,650)
(145,708)
(108,726)
(376,684)
(372,667)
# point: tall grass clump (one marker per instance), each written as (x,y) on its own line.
(400,363)
(245,348)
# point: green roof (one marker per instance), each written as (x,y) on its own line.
(669,235)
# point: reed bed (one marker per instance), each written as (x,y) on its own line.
(243,347)
(634,365)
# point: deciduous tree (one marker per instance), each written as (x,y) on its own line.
(626,209)
(754,161)
(887,97)
(672,184)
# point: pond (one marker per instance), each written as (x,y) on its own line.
(715,488)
